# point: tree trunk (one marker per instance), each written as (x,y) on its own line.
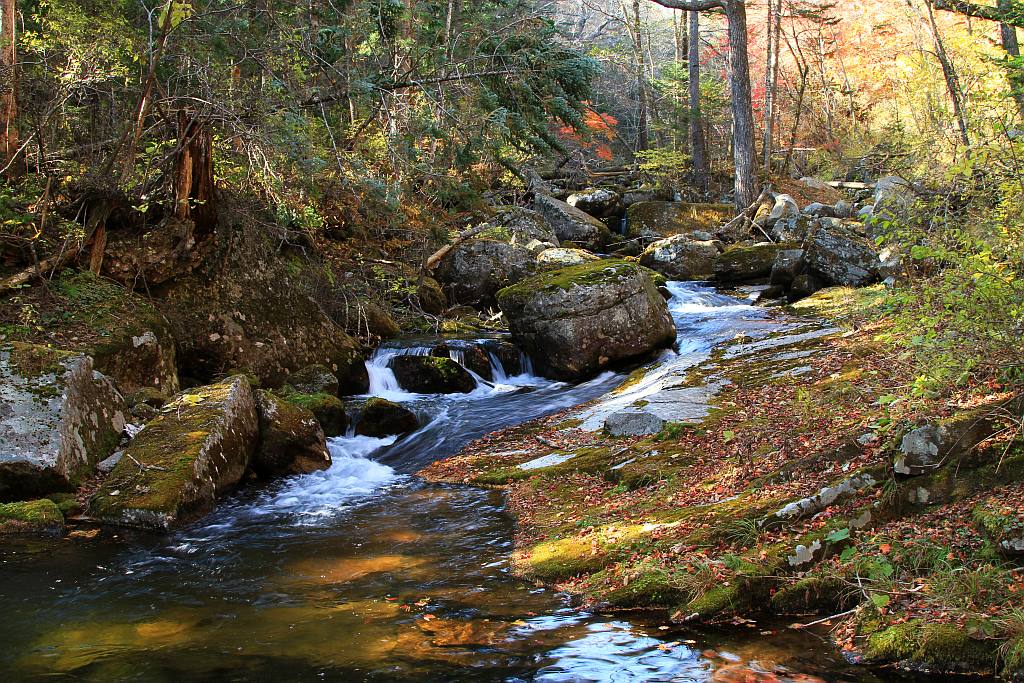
(193,174)
(771,79)
(949,74)
(698,145)
(1012,47)
(641,79)
(9,141)
(744,156)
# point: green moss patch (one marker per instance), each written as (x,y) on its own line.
(32,516)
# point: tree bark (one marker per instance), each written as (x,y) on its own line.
(9,141)
(744,190)
(193,174)
(1008,34)
(698,145)
(950,76)
(771,79)
(641,79)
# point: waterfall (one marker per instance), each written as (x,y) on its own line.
(383,382)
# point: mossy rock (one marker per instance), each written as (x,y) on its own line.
(812,594)
(650,588)
(291,439)
(313,379)
(933,647)
(380,417)
(743,263)
(471,357)
(327,408)
(432,375)
(174,469)
(431,296)
(31,516)
(67,503)
(563,558)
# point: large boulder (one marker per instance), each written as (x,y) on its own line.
(291,439)
(518,226)
(314,379)
(431,297)
(572,225)
(840,256)
(174,469)
(754,262)
(655,220)
(578,320)
(244,307)
(31,517)
(473,272)
(380,417)
(930,446)
(892,193)
(431,375)
(681,258)
(58,418)
(560,257)
(599,203)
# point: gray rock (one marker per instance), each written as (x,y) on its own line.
(633,423)
(58,418)
(928,447)
(788,264)
(599,203)
(803,285)
(431,375)
(892,193)
(841,257)
(517,225)
(793,229)
(572,225)
(817,210)
(681,258)
(579,320)
(815,183)
(785,207)
(473,272)
(560,257)
(843,209)
(702,236)
(106,466)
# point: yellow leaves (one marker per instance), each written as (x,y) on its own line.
(176,11)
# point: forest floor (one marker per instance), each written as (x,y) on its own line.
(908,570)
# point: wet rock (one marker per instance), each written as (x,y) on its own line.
(314,379)
(681,258)
(789,263)
(599,203)
(739,264)
(31,517)
(470,356)
(431,375)
(58,418)
(578,320)
(633,423)
(507,354)
(560,257)
(291,440)
(328,410)
(472,273)
(431,296)
(657,220)
(841,257)
(572,225)
(174,469)
(380,417)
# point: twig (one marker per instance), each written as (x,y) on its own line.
(824,619)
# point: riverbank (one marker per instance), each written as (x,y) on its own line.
(784,500)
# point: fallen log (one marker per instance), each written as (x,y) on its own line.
(436,257)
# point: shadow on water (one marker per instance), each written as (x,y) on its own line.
(365,573)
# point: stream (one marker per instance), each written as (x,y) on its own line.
(363,572)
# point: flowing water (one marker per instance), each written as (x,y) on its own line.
(365,573)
